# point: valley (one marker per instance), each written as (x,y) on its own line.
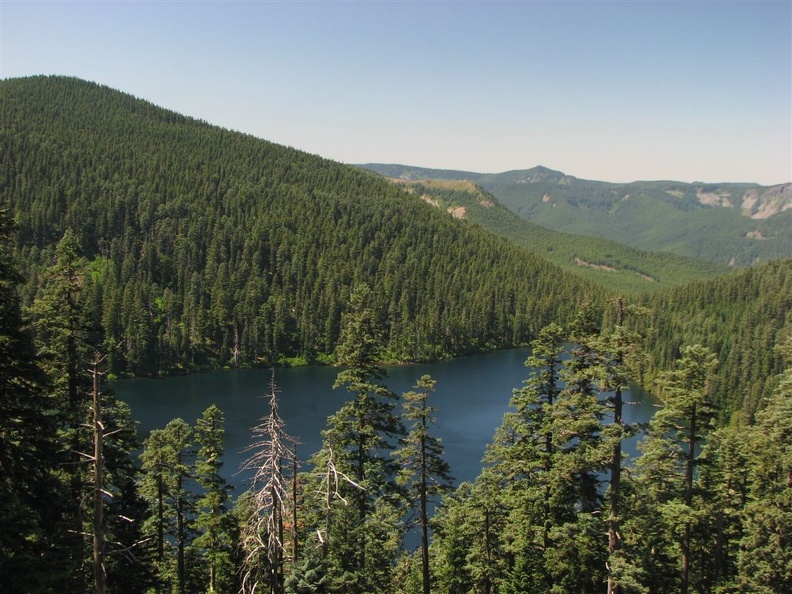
(166,256)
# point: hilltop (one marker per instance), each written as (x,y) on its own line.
(203,247)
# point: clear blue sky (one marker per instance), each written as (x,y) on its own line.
(615,91)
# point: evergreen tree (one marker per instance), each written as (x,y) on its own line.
(424,470)
(364,535)
(522,459)
(31,553)
(64,340)
(667,466)
(166,466)
(129,560)
(213,522)
(537,502)
(452,541)
(620,362)
(308,575)
(765,553)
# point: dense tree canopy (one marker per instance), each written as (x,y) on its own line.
(173,245)
(208,247)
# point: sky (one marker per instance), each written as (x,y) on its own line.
(607,90)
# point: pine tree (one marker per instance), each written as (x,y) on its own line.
(213,522)
(670,456)
(64,338)
(166,466)
(424,470)
(619,363)
(364,535)
(764,559)
(522,459)
(268,502)
(31,496)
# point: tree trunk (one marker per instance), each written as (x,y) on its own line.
(614,538)
(180,538)
(295,541)
(98,479)
(424,523)
(691,456)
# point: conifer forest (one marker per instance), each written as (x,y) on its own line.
(136,242)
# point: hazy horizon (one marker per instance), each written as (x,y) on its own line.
(611,91)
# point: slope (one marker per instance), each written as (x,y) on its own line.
(204,247)
(728,224)
(605,262)
(742,316)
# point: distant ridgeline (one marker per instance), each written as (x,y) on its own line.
(609,263)
(197,247)
(728,224)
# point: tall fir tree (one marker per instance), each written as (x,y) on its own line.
(667,470)
(65,338)
(522,461)
(167,467)
(213,523)
(424,471)
(31,496)
(764,558)
(364,535)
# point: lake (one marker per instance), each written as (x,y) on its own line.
(471,396)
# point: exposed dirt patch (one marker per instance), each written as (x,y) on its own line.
(429,200)
(768,203)
(720,198)
(581,262)
(460,212)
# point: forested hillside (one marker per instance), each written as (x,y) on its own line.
(135,240)
(728,224)
(741,317)
(608,263)
(209,248)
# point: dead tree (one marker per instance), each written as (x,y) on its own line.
(98,482)
(263,534)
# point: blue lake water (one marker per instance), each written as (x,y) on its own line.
(471,397)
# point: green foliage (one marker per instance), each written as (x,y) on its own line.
(739,317)
(667,472)
(166,466)
(723,223)
(362,499)
(765,556)
(31,496)
(309,576)
(424,472)
(608,263)
(213,522)
(210,248)
(187,246)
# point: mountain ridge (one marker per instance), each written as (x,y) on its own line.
(606,262)
(736,224)
(199,247)
(534,173)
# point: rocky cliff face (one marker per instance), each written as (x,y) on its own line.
(763,203)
